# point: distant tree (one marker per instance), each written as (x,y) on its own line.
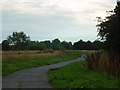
(56,44)
(19,40)
(109,29)
(97,45)
(70,46)
(35,45)
(88,45)
(66,45)
(47,44)
(82,45)
(5,45)
(79,45)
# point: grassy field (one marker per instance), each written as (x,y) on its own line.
(76,75)
(16,60)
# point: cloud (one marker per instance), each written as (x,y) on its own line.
(79,11)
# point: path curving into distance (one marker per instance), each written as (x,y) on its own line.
(33,77)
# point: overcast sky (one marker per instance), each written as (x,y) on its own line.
(69,20)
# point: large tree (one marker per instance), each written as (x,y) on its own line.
(109,29)
(19,40)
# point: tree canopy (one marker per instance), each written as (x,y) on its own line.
(88,45)
(109,29)
(5,45)
(19,40)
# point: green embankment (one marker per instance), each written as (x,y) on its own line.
(10,66)
(76,75)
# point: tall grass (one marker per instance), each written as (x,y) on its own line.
(105,62)
(22,55)
(19,55)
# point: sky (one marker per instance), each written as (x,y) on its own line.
(69,20)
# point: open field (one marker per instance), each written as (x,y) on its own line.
(19,55)
(76,75)
(16,60)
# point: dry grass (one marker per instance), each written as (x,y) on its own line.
(20,55)
(102,61)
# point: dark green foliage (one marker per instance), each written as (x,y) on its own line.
(82,45)
(109,29)
(98,45)
(66,45)
(5,45)
(35,45)
(56,44)
(18,41)
(48,44)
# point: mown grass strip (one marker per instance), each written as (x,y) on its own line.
(76,75)
(10,66)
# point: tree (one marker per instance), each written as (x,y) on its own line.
(5,45)
(80,45)
(66,45)
(89,45)
(35,45)
(109,30)
(98,45)
(19,40)
(56,44)
(47,44)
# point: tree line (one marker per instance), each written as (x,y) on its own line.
(20,41)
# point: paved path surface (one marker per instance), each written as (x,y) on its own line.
(33,77)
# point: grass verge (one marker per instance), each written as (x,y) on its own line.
(9,66)
(76,75)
